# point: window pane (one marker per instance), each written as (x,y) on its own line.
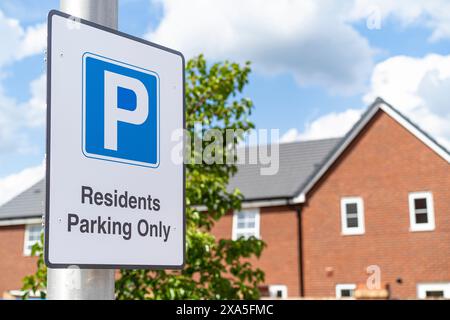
(246,214)
(421,218)
(352,214)
(351,208)
(420,203)
(34,233)
(346,293)
(352,222)
(34,238)
(435,294)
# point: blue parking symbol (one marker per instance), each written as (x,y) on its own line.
(120,112)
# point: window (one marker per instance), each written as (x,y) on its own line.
(278,291)
(32,235)
(421,211)
(346,290)
(352,216)
(246,224)
(433,291)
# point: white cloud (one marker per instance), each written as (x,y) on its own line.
(10,34)
(313,40)
(14,184)
(309,39)
(18,43)
(419,88)
(16,117)
(35,107)
(334,124)
(34,41)
(290,136)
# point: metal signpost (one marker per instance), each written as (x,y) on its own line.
(115,196)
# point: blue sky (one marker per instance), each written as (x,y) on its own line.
(317,64)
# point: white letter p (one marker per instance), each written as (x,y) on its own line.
(114,114)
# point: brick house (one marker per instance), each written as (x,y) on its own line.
(20,228)
(368,211)
(365,215)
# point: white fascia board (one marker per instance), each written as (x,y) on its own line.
(257,204)
(416,132)
(16,222)
(264,203)
(301,198)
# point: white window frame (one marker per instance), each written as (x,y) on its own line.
(345,286)
(274,288)
(18,294)
(27,242)
(360,215)
(430,225)
(255,230)
(422,289)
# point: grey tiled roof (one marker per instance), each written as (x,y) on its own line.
(298,161)
(27,204)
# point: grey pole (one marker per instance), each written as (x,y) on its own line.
(74,283)
(104,12)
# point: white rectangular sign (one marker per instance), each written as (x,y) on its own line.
(115,196)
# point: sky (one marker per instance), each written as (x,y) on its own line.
(316,64)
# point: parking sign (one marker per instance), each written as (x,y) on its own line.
(120,95)
(115,197)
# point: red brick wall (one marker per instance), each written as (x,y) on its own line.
(280,259)
(13,264)
(383,165)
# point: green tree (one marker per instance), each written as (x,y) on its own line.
(215,268)
(37,282)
